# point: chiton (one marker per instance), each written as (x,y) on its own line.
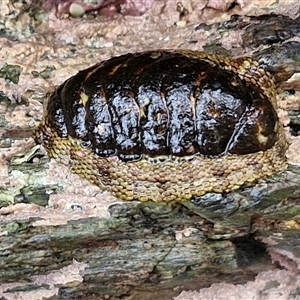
(166,125)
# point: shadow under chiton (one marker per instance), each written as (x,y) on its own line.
(166,125)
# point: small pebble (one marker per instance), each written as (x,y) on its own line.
(76,10)
(181,23)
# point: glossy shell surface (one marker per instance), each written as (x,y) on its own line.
(166,125)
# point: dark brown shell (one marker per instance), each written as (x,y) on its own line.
(164,103)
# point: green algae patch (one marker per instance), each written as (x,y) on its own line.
(11,73)
(6,198)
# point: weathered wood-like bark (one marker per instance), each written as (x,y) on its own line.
(147,244)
